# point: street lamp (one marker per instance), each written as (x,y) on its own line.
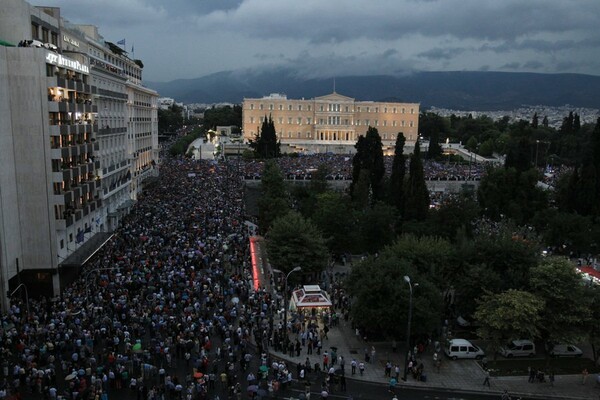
(410,305)
(285,300)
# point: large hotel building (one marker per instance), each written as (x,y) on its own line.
(78,138)
(330,123)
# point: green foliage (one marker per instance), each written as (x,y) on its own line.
(457,213)
(396,181)
(381,298)
(273,202)
(171,119)
(567,310)
(507,192)
(369,157)
(361,191)
(180,147)
(265,144)
(510,315)
(416,204)
(222,116)
(376,225)
(428,256)
(566,232)
(334,216)
(295,241)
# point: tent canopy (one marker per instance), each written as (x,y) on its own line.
(310,296)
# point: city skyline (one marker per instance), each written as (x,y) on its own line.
(188,39)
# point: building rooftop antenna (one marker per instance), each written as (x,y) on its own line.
(334,84)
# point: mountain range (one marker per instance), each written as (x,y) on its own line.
(460,90)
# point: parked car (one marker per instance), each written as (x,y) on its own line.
(566,350)
(518,348)
(462,348)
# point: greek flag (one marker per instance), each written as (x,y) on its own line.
(122,41)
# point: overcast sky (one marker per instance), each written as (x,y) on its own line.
(324,38)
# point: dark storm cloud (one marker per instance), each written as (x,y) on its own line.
(533,65)
(189,38)
(438,53)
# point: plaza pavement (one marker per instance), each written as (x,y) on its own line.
(464,376)
(454,376)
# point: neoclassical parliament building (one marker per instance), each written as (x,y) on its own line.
(330,123)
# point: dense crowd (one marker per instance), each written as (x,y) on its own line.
(172,288)
(339,167)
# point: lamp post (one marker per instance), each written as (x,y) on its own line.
(285,300)
(410,305)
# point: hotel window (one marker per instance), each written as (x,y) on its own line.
(262,119)
(394,110)
(403,123)
(54,38)
(321,107)
(261,106)
(368,109)
(290,135)
(346,122)
(367,122)
(393,123)
(251,120)
(358,109)
(299,107)
(411,124)
(34,31)
(385,110)
(280,120)
(308,135)
(384,123)
(346,108)
(385,136)
(376,109)
(289,107)
(299,120)
(45,36)
(402,110)
(271,107)
(358,122)
(412,110)
(281,107)
(290,120)
(308,120)
(376,122)
(320,121)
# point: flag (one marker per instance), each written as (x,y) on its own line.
(88,229)
(122,41)
(132,48)
(79,238)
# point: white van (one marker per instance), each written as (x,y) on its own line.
(518,348)
(462,348)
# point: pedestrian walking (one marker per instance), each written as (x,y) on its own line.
(486,381)
(584,375)
(353,364)
(551,378)
(361,368)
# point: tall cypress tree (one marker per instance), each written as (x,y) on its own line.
(265,144)
(396,191)
(369,156)
(596,162)
(417,195)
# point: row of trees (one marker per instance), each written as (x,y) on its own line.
(477,257)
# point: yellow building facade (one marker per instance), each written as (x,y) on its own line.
(330,123)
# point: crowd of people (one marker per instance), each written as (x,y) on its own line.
(339,167)
(167,311)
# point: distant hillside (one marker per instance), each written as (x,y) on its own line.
(456,90)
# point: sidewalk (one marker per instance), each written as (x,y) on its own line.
(461,376)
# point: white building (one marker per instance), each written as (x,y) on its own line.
(78,137)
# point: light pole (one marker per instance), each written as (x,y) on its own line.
(537,145)
(410,286)
(285,302)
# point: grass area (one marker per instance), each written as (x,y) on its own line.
(560,366)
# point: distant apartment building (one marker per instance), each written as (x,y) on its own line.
(74,146)
(330,123)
